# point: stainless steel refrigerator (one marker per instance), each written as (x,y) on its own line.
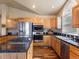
(24,29)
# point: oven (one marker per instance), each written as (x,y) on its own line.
(38,32)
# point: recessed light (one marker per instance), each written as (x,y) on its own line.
(53,6)
(33,6)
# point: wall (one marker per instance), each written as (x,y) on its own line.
(3,14)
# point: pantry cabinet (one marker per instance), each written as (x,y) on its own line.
(75,17)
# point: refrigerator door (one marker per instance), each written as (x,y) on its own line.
(28,29)
(25,29)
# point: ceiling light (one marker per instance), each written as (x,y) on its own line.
(53,6)
(33,6)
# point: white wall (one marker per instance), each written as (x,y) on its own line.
(3,13)
(17,13)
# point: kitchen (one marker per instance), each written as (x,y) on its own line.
(35,29)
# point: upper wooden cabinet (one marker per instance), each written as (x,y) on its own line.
(75,16)
(11,23)
(54,22)
(47,22)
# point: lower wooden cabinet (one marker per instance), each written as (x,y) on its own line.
(13,56)
(47,40)
(74,52)
(30,52)
(64,50)
(56,45)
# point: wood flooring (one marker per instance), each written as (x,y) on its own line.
(44,53)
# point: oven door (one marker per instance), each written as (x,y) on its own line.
(38,37)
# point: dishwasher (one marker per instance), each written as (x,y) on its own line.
(64,50)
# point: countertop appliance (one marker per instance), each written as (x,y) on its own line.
(24,29)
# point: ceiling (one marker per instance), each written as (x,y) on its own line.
(41,7)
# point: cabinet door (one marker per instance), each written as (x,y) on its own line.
(73,56)
(11,56)
(58,46)
(47,40)
(46,23)
(21,55)
(11,23)
(74,52)
(4,56)
(54,22)
(75,17)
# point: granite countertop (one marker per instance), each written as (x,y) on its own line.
(20,44)
(68,40)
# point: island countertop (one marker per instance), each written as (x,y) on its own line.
(20,44)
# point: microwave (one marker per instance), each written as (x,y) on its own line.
(37,27)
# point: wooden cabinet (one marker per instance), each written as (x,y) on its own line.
(56,45)
(46,23)
(30,52)
(54,22)
(75,17)
(74,52)
(47,40)
(13,56)
(11,23)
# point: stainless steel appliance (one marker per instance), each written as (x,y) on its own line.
(64,50)
(24,29)
(38,33)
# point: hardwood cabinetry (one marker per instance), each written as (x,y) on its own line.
(56,45)
(30,52)
(54,22)
(64,50)
(47,40)
(74,52)
(11,23)
(75,16)
(46,23)
(13,56)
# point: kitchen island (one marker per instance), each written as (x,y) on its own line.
(17,48)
